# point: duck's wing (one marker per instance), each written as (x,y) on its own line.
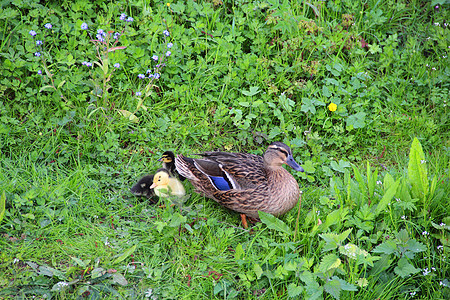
(243,170)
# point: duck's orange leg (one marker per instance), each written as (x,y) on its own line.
(244,221)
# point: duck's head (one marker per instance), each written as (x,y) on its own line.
(161,178)
(167,157)
(278,154)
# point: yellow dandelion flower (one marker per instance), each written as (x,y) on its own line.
(332,107)
(168,4)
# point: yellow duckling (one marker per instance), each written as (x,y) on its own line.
(165,186)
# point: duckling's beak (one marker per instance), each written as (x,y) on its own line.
(153,186)
(291,163)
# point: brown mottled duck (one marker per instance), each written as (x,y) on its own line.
(245,183)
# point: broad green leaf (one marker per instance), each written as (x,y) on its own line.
(81,263)
(239,252)
(337,216)
(290,265)
(285,102)
(308,166)
(388,181)
(176,220)
(333,240)
(387,197)
(29,216)
(404,268)
(253,91)
(382,264)
(341,166)
(61,84)
(129,115)
(97,272)
(140,102)
(417,170)
(294,290)
(281,272)
(2,205)
(432,187)
(308,278)
(332,218)
(258,270)
(343,236)
(345,285)
(119,279)
(46,87)
(274,223)
(356,120)
(333,287)
(415,246)
(329,262)
(387,247)
(125,255)
(360,180)
(308,106)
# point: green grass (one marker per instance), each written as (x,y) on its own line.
(374,218)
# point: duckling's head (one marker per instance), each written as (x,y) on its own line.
(167,157)
(161,178)
(142,187)
(279,153)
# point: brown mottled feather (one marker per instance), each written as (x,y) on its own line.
(262,183)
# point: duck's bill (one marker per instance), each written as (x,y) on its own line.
(291,163)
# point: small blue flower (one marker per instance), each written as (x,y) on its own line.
(117,65)
(32,33)
(155,57)
(100,32)
(169,45)
(38,42)
(166,33)
(123,16)
(141,76)
(149,71)
(48,26)
(151,76)
(116,35)
(168,53)
(84,26)
(37,54)
(130,19)
(138,94)
(40,72)
(157,75)
(88,64)
(100,37)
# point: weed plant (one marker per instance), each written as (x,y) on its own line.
(93,92)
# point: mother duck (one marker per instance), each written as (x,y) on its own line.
(243,182)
